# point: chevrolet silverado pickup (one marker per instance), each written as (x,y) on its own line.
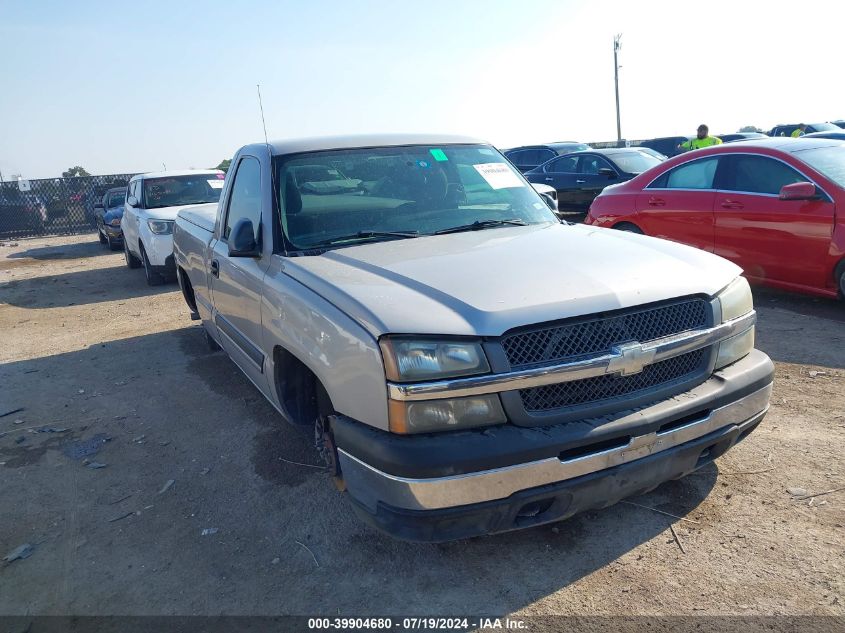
(469,363)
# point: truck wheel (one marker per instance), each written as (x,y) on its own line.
(153,278)
(840,272)
(131,260)
(327,450)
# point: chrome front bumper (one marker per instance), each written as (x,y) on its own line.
(370,486)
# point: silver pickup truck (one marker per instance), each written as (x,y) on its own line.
(469,363)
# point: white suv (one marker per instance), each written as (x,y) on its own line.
(152,202)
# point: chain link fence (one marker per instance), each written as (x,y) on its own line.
(53,206)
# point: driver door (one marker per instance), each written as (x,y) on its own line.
(237,282)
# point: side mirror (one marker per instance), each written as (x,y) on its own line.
(242,240)
(550,202)
(799,191)
(607,171)
(132,201)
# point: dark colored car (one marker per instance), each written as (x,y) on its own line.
(21,213)
(666,145)
(530,157)
(840,123)
(108,214)
(579,177)
(836,136)
(788,129)
(740,136)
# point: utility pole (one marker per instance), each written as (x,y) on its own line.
(616,47)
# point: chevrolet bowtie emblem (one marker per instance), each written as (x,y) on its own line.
(630,359)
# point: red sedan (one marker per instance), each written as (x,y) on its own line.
(775,207)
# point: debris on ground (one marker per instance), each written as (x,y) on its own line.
(86,448)
(796,492)
(81,391)
(209,531)
(24,551)
(96,465)
(20,440)
(52,429)
(166,486)
(813,373)
(122,516)
(205,471)
(18,410)
(18,421)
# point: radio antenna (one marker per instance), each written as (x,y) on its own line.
(261,106)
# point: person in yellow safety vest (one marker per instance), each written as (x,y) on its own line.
(702,140)
(799,131)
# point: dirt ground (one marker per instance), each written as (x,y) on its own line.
(91,353)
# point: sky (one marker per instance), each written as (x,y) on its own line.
(120,87)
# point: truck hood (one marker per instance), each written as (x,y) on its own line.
(483,283)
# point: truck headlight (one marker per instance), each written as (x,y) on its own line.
(427,416)
(161,227)
(735,301)
(734,348)
(408,359)
(114,222)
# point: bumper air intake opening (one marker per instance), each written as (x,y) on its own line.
(596,447)
(698,416)
(533,512)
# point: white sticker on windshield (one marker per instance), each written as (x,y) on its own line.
(498,175)
(215,184)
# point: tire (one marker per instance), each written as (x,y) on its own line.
(102,239)
(840,278)
(628,227)
(131,260)
(153,278)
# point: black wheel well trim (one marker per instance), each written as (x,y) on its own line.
(187,289)
(301,393)
(628,222)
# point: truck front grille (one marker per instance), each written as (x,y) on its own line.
(610,386)
(561,342)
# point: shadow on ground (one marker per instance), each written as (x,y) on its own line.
(284,540)
(799,329)
(77,250)
(79,288)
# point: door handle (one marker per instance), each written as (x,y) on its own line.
(580,182)
(656,202)
(215,268)
(548,178)
(731,204)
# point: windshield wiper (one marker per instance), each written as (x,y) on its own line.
(480,224)
(362,235)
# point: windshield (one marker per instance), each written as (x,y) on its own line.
(180,190)
(635,162)
(116,199)
(825,127)
(829,161)
(384,193)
